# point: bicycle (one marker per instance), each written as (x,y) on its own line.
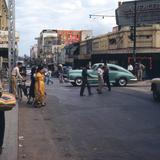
(22,89)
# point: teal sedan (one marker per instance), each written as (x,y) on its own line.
(118,75)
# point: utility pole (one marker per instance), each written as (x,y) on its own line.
(134,31)
(11,37)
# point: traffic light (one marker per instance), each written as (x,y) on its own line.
(131,36)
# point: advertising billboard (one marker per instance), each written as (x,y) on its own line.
(147,11)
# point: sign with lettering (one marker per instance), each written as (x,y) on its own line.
(148,12)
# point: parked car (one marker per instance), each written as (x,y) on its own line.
(118,75)
(155,87)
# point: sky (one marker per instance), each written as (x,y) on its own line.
(32,16)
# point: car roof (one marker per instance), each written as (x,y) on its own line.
(111,65)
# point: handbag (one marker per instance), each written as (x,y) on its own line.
(7,102)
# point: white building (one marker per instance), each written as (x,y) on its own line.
(47,39)
(34,51)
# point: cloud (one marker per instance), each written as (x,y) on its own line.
(33,16)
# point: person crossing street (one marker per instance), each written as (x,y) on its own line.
(106,77)
(85,82)
(100,79)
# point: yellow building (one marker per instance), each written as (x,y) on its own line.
(4,32)
(3,15)
(117,47)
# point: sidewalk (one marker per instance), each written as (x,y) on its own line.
(10,147)
(144,83)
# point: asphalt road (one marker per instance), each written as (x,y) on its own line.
(123,124)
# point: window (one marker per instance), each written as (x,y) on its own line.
(113,69)
(112,41)
(144,36)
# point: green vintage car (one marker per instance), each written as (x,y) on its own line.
(118,75)
(155,87)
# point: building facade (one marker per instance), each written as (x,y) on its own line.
(51,44)
(4,33)
(73,36)
(3,30)
(47,39)
(117,47)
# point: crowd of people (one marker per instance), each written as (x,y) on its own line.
(37,87)
(40,75)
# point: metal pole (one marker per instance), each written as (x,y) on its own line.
(11,37)
(135,24)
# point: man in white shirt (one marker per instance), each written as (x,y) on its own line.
(100,79)
(130,67)
(15,74)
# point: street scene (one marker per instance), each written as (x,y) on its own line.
(80,80)
(121,124)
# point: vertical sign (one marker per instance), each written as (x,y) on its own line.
(11,37)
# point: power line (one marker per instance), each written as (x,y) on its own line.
(99,15)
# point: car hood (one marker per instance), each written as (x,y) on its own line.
(155,80)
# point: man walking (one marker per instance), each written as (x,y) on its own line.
(85,82)
(106,77)
(100,79)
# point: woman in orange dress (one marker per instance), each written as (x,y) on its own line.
(40,87)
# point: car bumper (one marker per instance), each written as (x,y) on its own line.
(133,80)
(70,80)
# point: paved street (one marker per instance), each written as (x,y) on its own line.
(123,124)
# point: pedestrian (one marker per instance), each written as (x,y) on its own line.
(49,76)
(140,71)
(85,82)
(100,79)
(60,73)
(32,86)
(15,75)
(106,77)
(130,68)
(39,88)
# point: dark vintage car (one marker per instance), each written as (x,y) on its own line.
(155,87)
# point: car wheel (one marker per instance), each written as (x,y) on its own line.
(122,82)
(78,81)
(156,96)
